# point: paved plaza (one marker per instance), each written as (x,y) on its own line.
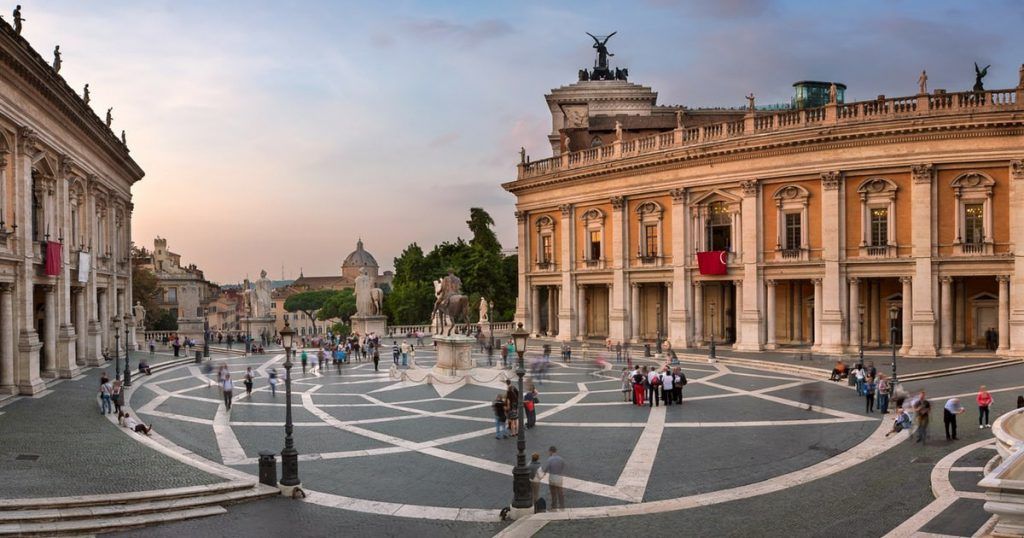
(383,454)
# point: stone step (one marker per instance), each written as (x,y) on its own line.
(959,370)
(129,509)
(96,525)
(43,503)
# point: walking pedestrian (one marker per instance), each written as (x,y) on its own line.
(106,389)
(498,406)
(922,408)
(395,352)
(376,358)
(869,395)
(227,387)
(639,378)
(535,474)
(405,352)
(883,394)
(678,382)
(985,401)
(152,346)
(272,381)
(554,468)
(305,359)
(512,398)
(117,396)
(248,381)
(949,413)
(530,401)
(667,387)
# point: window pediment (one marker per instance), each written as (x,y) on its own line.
(716,196)
(649,208)
(545,223)
(877,185)
(972,180)
(593,216)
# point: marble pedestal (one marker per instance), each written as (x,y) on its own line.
(190,328)
(369,324)
(258,326)
(454,356)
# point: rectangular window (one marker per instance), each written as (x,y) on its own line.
(545,249)
(595,244)
(172,295)
(879,226)
(793,231)
(974,224)
(650,240)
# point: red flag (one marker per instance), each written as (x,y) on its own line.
(712,262)
(53,252)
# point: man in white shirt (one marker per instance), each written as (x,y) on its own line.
(666,387)
(653,384)
(227,386)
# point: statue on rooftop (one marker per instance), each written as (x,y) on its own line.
(833,94)
(978,75)
(922,83)
(123,139)
(750,102)
(522,155)
(56,59)
(85,94)
(110,117)
(1020,84)
(602,50)
(618,131)
(18,20)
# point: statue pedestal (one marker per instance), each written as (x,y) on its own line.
(369,324)
(454,355)
(258,326)
(191,328)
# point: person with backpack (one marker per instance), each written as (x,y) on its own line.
(639,378)
(667,387)
(678,382)
(653,387)
(530,402)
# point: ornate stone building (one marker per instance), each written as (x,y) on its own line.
(179,285)
(806,226)
(65,187)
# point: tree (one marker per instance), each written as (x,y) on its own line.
(308,302)
(146,291)
(162,320)
(341,305)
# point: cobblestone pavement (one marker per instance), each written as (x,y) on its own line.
(381,457)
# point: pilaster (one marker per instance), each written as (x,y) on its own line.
(750,329)
(679,320)
(1017,251)
(922,220)
(831,317)
(618,319)
(567,296)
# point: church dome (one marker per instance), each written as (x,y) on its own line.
(359,258)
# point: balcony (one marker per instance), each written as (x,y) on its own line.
(973,249)
(546,266)
(878,251)
(593,264)
(793,254)
(650,260)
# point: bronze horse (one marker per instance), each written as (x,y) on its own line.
(456,307)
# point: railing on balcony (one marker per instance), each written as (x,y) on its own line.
(790,254)
(545,266)
(649,259)
(594,264)
(875,250)
(972,248)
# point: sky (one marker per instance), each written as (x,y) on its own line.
(274,134)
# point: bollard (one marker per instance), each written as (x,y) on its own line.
(268,468)
(199,357)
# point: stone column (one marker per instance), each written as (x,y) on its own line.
(679,317)
(817,313)
(698,313)
(618,320)
(798,311)
(946,321)
(959,313)
(567,263)
(104,307)
(49,365)
(874,306)
(854,313)
(81,327)
(833,235)
(7,385)
(634,314)
(29,346)
(581,312)
(535,310)
(724,305)
(922,224)
(770,315)
(523,300)
(552,310)
(750,328)
(1017,250)
(1004,313)
(908,314)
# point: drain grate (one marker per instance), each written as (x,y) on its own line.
(27,457)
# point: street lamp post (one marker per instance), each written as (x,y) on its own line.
(711,347)
(894,313)
(206,334)
(657,350)
(127,358)
(860,320)
(523,497)
(290,482)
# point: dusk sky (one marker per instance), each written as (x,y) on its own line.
(276,133)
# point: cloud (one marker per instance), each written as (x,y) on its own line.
(468,34)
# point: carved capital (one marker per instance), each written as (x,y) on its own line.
(566,209)
(65,164)
(831,180)
(3,159)
(854,280)
(678,195)
(520,216)
(1002,278)
(945,279)
(1017,169)
(770,283)
(922,173)
(906,280)
(749,188)
(618,202)
(816,281)
(28,141)
(6,287)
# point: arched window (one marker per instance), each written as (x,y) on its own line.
(596,142)
(973,220)
(878,217)
(791,206)
(593,237)
(650,218)
(545,243)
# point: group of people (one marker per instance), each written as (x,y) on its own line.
(111,396)
(916,411)
(648,385)
(506,410)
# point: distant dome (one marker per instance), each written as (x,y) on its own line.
(357,260)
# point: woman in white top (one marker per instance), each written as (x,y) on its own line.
(227,386)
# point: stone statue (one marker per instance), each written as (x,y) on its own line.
(679,119)
(56,59)
(750,102)
(18,20)
(110,116)
(369,300)
(602,50)
(261,297)
(833,94)
(922,83)
(1020,84)
(522,155)
(618,131)
(484,318)
(140,315)
(124,140)
(978,75)
(85,94)
(451,304)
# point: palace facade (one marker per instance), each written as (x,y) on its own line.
(820,226)
(65,225)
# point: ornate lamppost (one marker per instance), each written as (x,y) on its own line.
(657,317)
(117,347)
(290,482)
(127,358)
(523,497)
(711,347)
(894,314)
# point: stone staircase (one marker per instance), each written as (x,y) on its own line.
(93,514)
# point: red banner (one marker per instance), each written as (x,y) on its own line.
(53,252)
(712,262)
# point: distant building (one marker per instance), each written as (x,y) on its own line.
(171,276)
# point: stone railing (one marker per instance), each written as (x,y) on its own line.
(499,327)
(784,120)
(1004,477)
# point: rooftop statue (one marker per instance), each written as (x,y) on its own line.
(978,75)
(85,94)
(110,116)
(602,50)
(922,83)
(17,20)
(56,59)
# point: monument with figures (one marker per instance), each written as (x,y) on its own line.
(259,320)
(369,316)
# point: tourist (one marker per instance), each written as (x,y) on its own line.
(639,378)
(405,352)
(530,401)
(838,371)
(883,394)
(176,344)
(901,422)
(135,425)
(627,384)
(512,398)
(272,381)
(922,408)
(305,360)
(106,389)
(376,358)
(504,356)
(500,417)
(144,367)
(869,395)
(555,469)
(152,346)
(667,387)
(535,473)
(314,365)
(678,382)
(859,376)
(618,352)
(226,387)
(949,413)
(985,401)
(248,381)
(653,386)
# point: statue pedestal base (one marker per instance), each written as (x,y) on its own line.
(455,368)
(191,328)
(364,325)
(259,326)
(454,355)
